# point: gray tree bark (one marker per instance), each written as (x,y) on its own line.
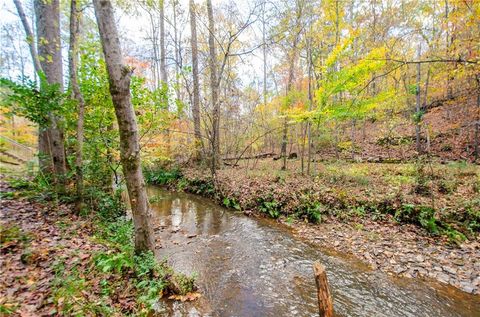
(214,90)
(163,66)
(29,36)
(47,15)
(44,155)
(77,95)
(119,81)
(291,69)
(178,57)
(196,86)
(417,106)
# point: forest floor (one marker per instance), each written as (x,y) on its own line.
(46,257)
(54,262)
(370,210)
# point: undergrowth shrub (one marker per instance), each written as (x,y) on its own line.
(106,204)
(231,203)
(151,278)
(161,176)
(269,206)
(310,209)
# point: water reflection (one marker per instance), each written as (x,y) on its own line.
(250,267)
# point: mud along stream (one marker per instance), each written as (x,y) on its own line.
(255,267)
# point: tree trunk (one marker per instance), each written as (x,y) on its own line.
(163,67)
(29,37)
(177,45)
(477,123)
(47,15)
(283,151)
(448,42)
(119,80)
(291,70)
(196,86)
(352,138)
(44,155)
(214,90)
(264,55)
(417,106)
(77,95)
(310,102)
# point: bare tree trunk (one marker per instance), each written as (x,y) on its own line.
(447,43)
(284,143)
(417,106)
(214,90)
(73,68)
(163,67)
(303,128)
(44,155)
(30,37)
(353,138)
(177,51)
(50,55)
(264,56)
(310,102)
(291,70)
(119,80)
(196,86)
(477,123)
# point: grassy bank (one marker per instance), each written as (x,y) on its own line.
(87,262)
(443,199)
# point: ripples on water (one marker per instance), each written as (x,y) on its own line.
(254,267)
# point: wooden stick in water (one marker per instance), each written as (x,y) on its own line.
(325,304)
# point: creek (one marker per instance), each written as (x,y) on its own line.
(256,267)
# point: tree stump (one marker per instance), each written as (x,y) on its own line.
(325,304)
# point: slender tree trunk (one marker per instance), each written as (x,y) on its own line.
(196,86)
(427,85)
(477,123)
(163,67)
(264,56)
(353,138)
(177,52)
(417,105)
(284,143)
(291,70)
(214,90)
(119,80)
(29,36)
(447,45)
(50,55)
(77,95)
(310,102)
(44,155)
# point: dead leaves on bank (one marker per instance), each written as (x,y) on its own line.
(47,267)
(187,297)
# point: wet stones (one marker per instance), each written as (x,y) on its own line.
(403,251)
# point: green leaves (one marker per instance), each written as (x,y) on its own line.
(26,100)
(231,203)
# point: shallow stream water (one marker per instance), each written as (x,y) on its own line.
(256,267)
